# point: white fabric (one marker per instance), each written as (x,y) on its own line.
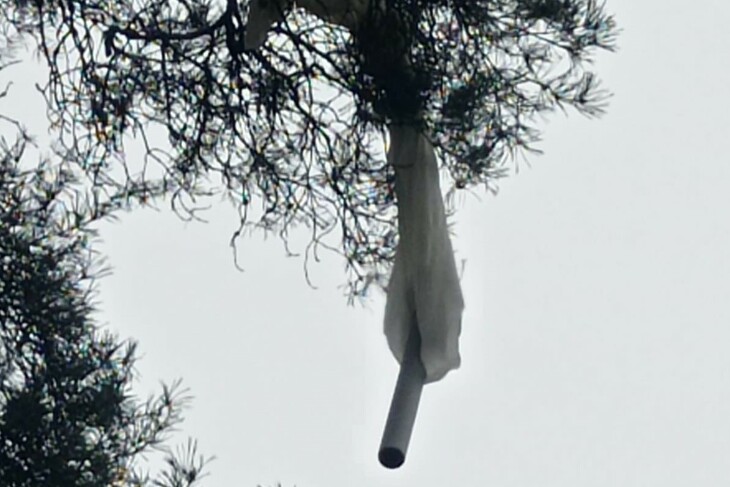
(424,282)
(263,14)
(424,285)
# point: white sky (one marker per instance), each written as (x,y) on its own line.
(597,289)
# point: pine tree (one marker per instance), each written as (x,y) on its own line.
(68,416)
(292,133)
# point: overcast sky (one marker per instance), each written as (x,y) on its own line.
(597,324)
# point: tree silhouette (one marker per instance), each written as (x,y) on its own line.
(67,414)
(293,133)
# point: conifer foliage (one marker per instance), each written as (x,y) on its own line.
(293,133)
(67,414)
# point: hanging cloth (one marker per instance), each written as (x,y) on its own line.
(424,285)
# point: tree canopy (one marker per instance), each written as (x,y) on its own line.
(68,416)
(293,133)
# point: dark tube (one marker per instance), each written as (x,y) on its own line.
(404,405)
